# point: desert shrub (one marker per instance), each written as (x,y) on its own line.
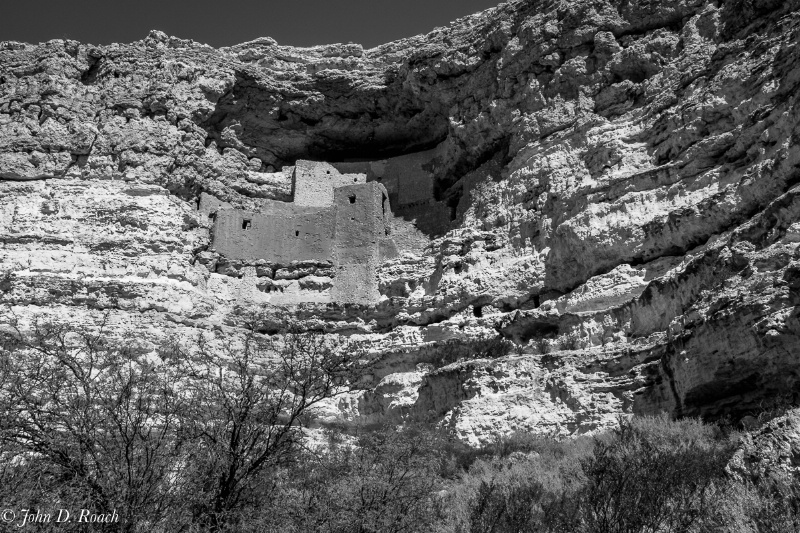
(459,456)
(506,506)
(777,504)
(384,482)
(30,482)
(764,505)
(651,474)
(570,342)
(518,485)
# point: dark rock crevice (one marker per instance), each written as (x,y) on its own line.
(280,129)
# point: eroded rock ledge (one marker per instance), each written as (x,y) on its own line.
(610,186)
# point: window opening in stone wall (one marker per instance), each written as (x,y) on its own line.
(383,204)
(477,311)
(246,223)
(198,203)
(212,217)
(297,233)
(352,198)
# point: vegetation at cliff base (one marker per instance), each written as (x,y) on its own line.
(214,437)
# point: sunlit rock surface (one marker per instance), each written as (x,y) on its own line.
(610,186)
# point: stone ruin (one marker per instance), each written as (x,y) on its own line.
(333,235)
(342,221)
(409,180)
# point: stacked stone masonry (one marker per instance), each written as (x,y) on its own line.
(338,218)
(409,180)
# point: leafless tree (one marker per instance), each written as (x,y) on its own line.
(186,435)
(100,413)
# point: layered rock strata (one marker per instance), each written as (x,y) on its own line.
(609,189)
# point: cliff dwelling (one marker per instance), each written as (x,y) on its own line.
(341,221)
(330,238)
(410,182)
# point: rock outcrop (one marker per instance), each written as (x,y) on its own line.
(609,189)
(771,451)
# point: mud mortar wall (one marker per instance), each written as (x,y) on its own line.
(282,234)
(315,181)
(354,233)
(409,180)
(360,229)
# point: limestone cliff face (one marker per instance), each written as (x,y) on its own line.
(608,187)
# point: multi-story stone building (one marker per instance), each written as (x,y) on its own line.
(335,218)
